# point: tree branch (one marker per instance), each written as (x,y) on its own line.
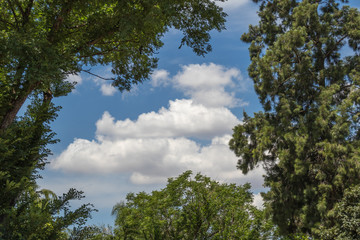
(13,12)
(59,18)
(16,104)
(336,44)
(102,52)
(6,22)
(27,12)
(98,76)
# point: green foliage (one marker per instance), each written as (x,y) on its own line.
(24,212)
(42,42)
(23,151)
(308,136)
(41,215)
(198,208)
(346,218)
(93,233)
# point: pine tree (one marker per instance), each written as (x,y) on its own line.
(305,68)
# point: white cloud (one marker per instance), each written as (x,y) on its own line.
(107,89)
(211,85)
(153,160)
(73,78)
(160,78)
(183,118)
(231,5)
(156,146)
(207,83)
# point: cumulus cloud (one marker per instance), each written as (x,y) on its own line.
(183,118)
(153,160)
(206,84)
(157,145)
(211,85)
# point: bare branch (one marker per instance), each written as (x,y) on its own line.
(98,76)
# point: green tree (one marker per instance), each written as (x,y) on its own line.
(23,152)
(93,233)
(25,212)
(44,41)
(187,208)
(41,215)
(305,68)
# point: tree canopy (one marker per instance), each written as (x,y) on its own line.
(42,42)
(305,68)
(187,208)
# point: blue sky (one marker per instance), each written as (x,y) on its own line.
(114,143)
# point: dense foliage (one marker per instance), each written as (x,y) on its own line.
(23,152)
(347,217)
(41,215)
(187,208)
(305,68)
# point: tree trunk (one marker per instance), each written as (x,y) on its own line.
(11,113)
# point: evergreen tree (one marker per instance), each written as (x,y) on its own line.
(23,151)
(306,72)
